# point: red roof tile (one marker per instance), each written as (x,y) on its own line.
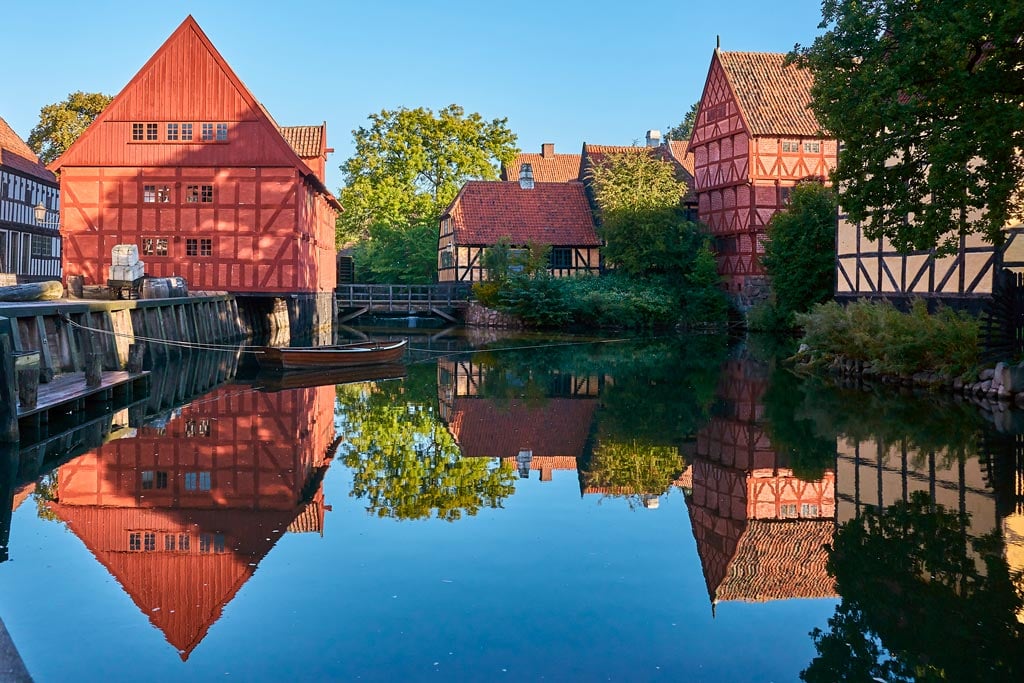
(772,98)
(551,213)
(680,151)
(558,427)
(548,167)
(15,154)
(307,141)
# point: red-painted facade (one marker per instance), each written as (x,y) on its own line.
(189,166)
(182,515)
(753,140)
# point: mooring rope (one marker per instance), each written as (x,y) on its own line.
(445,354)
(167,342)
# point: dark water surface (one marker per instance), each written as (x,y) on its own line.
(578,509)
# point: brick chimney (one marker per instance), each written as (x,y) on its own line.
(526,177)
(547,150)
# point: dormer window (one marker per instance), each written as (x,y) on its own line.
(526,177)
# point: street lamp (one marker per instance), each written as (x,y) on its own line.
(40,211)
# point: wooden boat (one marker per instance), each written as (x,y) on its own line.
(278,380)
(322,357)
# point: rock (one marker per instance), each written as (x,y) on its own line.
(997,375)
(804,348)
(1012,377)
(958,384)
(986,374)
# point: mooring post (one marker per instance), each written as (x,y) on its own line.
(94,369)
(136,354)
(28,384)
(8,391)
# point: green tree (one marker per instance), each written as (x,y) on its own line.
(641,221)
(800,250)
(685,127)
(405,463)
(60,124)
(398,254)
(928,102)
(410,163)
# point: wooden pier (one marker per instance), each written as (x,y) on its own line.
(447,301)
(64,340)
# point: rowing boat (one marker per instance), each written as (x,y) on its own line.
(338,356)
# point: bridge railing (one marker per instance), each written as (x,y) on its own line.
(407,297)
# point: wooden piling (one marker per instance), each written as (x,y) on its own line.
(94,369)
(8,393)
(136,354)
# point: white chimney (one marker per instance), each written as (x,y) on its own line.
(526,177)
(653,138)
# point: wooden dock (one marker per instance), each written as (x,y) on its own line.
(63,391)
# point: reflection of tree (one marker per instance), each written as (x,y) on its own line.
(792,431)
(917,603)
(631,469)
(405,464)
(45,492)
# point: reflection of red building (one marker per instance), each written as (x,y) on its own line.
(760,530)
(182,515)
(543,434)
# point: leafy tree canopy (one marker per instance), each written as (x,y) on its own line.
(684,129)
(928,101)
(60,124)
(410,163)
(800,250)
(398,254)
(641,221)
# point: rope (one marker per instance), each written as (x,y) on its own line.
(445,354)
(166,342)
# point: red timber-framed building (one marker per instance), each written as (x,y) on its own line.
(187,164)
(753,140)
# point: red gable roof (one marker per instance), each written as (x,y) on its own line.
(551,213)
(558,427)
(679,150)
(187,79)
(772,98)
(548,167)
(15,154)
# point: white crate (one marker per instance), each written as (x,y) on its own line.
(128,273)
(125,254)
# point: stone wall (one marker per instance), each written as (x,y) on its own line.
(480,316)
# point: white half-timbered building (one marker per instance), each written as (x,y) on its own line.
(30,248)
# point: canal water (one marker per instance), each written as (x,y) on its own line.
(518,508)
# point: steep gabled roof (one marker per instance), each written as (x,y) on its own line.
(551,213)
(15,154)
(679,150)
(548,166)
(772,97)
(207,79)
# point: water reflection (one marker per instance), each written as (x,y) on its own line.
(903,518)
(182,509)
(761,527)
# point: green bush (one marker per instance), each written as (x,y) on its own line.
(894,342)
(767,316)
(487,293)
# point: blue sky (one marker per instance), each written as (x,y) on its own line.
(561,71)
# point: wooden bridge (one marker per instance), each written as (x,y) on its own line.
(444,300)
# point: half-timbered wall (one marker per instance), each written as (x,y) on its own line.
(465,263)
(262,230)
(875,268)
(187,165)
(26,247)
(743,180)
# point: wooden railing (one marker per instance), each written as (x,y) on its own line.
(410,298)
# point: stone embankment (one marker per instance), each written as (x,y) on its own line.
(998,390)
(481,316)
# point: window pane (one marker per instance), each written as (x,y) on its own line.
(222,131)
(192,194)
(161,480)
(205,247)
(204,481)
(149,193)
(184,542)
(191,249)
(151,131)
(172,131)
(186,131)
(137,131)
(163,194)
(207,131)
(147,479)
(147,246)
(190,481)
(150,542)
(135,541)
(169,542)
(161,250)
(207,194)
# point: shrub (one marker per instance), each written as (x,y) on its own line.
(767,316)
(894,342)
(487,293)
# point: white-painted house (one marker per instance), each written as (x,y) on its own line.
(30,245)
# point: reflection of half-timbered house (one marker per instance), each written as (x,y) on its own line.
(753,140)
(189,166)
(182,515)
(29,243)
(760,530)
(542,435)
(547,167)
(524,213)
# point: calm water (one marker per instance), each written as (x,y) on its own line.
(667,509)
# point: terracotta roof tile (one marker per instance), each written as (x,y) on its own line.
(773,98)
(680,151)
(559,427)
(307,141)
(15,154)
(551,213)
(548,167)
